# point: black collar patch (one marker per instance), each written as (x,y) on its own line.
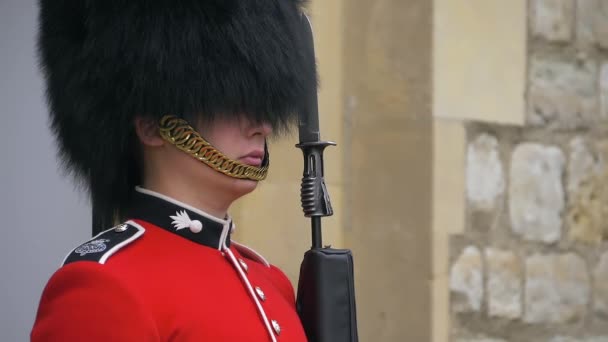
(180,218)
(105,244)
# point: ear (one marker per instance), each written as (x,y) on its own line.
(147,132)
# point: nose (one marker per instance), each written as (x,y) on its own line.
(264,129)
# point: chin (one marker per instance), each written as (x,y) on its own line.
(241,187)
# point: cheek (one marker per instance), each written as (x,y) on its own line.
(228,144)
(226,136)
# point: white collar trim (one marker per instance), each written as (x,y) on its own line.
(184,205)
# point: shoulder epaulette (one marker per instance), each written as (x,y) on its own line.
(106,243)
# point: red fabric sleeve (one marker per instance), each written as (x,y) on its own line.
(283,284)
(84,302)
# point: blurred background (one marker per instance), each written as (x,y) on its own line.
(470,177)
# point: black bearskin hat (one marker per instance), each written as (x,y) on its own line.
(107,61)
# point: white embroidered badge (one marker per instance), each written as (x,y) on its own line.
(94,246)
(181,220)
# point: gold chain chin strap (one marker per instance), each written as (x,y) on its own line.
(179,133)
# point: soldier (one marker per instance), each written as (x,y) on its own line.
(162,109)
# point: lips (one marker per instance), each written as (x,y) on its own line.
(254,158)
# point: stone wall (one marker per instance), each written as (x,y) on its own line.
(532,264)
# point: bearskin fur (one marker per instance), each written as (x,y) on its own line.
(107,61)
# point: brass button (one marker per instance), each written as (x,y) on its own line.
(121,228)
(244,265)
(276,327)
(260,293)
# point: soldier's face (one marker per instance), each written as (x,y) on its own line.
(177,174)
(240,140)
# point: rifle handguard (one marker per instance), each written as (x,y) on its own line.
(313,193)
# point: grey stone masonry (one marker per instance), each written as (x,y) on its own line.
(603,84)
(587,192)
(503,289)
(466,281)
(531,264)
(600,286)
(562,93)
(484,173)
(581,164)
(479,339)
(592,23)
(536,194)
(579,339)
(553,20)
(557,288)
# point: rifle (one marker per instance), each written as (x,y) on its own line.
(326,291)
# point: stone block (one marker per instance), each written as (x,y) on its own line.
(536,194)
(553,20)
(557,288)
(562,93)
(579,339)
(504,290)
(564,339)
(583,215)
(581,164)
(586,212)
(484,173)
(603,84)
(479,339)
(466,281)
(588,192)
(460,31)
(600,286)
(592,23)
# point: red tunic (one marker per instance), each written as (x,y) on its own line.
(151,280)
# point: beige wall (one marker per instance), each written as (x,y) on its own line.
(449,143)
(387,81)
(479,60)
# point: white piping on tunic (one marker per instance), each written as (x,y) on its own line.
(250,253)
(224,236)
(251,293)
(114,249)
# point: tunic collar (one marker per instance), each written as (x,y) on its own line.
(180,218)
